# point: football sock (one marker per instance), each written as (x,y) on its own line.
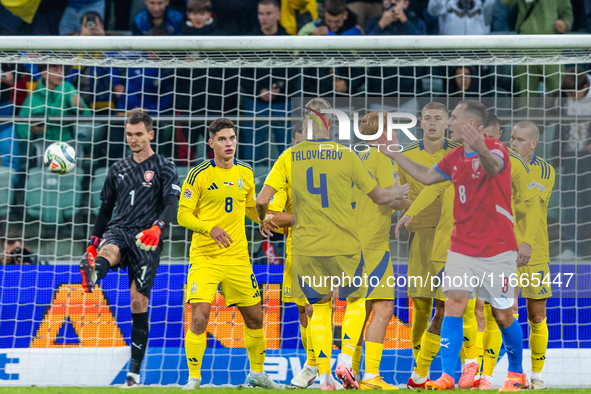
(430,344)
(353,323)
(322,335)
(373,357)
(513,340)
(255,344)
(491,342)
(470,331)
(101,267)
(422,313)
(452,332)
(195,348)
(479,349)
(357,358)
(538,342)
(311,357)
(139,340)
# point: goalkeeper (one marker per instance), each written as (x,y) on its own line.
(144,189)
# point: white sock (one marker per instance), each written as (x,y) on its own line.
(536,375)
(489,378)
(470,360)
(256,374)
(417,379)
(348,360)
(135,376)
(325,378)
(368,376)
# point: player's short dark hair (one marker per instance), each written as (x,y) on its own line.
(296,129)
(574,79)
(491,120)
(477,110)
(138,117)
(220,124)
(91,15)
(270,2)
(335,7)
(198,6)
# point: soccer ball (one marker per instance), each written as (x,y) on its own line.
(60,158)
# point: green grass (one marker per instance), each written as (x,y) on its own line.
(223,390)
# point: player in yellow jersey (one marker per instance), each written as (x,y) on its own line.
(216,196)
(524,139)
(521,181)
(428,151)
(373,226)
(324,239)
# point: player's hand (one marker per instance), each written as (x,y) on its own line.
(473,137)
(149,239)
(400,191)
(404,221)
(383,143)
(91,246)
(523,254)
(560,27)
(220,237)
(267,226)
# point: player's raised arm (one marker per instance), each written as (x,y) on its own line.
(492,162)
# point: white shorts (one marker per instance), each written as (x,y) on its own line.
(487,275)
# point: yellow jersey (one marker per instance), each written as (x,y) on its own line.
(544,177)
(523,188)
(214,196)
(429,217)
(373,220)
(323,173)
(281,201)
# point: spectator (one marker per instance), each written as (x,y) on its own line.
(200,20)
(157,14)
(14,253)
(75,10)
(52,97)
(464,82)
(122,13)
(395,20)
(8,145)
(235,17)
(342,81)
(540,17)
(338,20)
(268,91)
(296,13)
(463,17)
(365,10)
(573,149)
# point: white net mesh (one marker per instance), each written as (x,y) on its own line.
(185,84)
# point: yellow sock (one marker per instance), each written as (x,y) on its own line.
(353,322)
(479,349)
(470,331)
(195,348)
(538,343)
(373,357)
(322,335)
(311,357)
(255,344)
(422,313)
(357,358)
(429,348)
(491,342)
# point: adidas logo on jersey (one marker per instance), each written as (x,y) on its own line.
(543,291)
(213,187)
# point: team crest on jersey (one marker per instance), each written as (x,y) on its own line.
(148,175)
(475,164)
(240,182)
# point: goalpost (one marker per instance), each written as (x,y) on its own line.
(53,334)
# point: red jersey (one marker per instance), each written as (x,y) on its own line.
(483,219)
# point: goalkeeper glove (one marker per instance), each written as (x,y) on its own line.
(149,239)
(91,246)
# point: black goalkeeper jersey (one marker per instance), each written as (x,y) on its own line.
(138,190)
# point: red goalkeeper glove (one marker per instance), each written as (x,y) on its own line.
(149,239)
(91,246)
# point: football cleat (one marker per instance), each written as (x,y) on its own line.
(414,386)
(347,376)
(305,378)
(514,382)
(538,384)
(264,381)
(525,381)
(88,273)
(468,373)
(130,383)
(445,382)
(484,383)
(192,384)
(376,383)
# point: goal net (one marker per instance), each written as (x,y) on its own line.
(80,90)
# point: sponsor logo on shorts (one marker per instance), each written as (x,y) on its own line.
(543,291)
(148,175)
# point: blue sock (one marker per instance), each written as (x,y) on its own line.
(513,340)
(452,336)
